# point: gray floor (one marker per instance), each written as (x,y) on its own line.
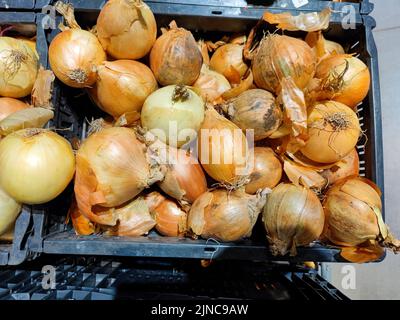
(382,281)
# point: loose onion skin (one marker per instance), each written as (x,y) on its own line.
(333,130)
(255,109)
(82,225)
(122,86)
(74,55)
(175,58)
(19,66)
(282,56)
(347,167)
(345,79)
(293,216)
(267,171)
(225,215)
(9,106)
(43,169)
(119,22)
(9,211)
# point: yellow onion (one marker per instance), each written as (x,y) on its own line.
(211,84)
(279,57)
(184,178)
(322,47)
(225,215)
(344,78)
(353,214)
(293,216)
(347,167)
(112,167)
(82,225)
(228,61)
(333,131)
(122,86)
(9,106)
(175,57)
(222,148)
(267,170)
(18,68)
(9,211)
(255,109)
(30,42)
(173,114)
(36,165)
(126,29)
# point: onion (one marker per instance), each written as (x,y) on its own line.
(184,178)
(282,56)
(123,86)
(223,149)
(175,57)
(112,167)
(322,47)
(344,78)
(348,166)
(9,211)
(174,114)
(9,106)
(267,171)
(30,42)
(333,131)
(18,68)
(126,29)
(228,61)
(211,84)
(82,225)
(293,216)
(225,215)
(353,214)
(255,109)
(36,165)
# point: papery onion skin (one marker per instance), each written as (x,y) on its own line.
(9,211)
(122,86)
(19,66)
(345,79)
(348,166)
(44,167)
(293,216)
(82,225)
(175,58)
(255,109)
(9,106)
(228,57)
(224,215)
(333,130)
(282,56)
(222,148)
(211,84)
(267,171)
(126,29)
(171,220)
(74,55)
(349,210)
(160,111)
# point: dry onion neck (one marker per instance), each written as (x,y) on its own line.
(13,63)
(78,75)
(338,121)
(180,94)
(335,82)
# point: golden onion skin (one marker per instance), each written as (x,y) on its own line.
(348,166)
(10,105)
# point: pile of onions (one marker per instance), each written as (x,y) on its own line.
(333,131)
(222,148)
(36,165)
(173,114)
(9,210)
(255,109)
(267,170)
(353,214)
(211,84)
(225,215)
(279,57)
(175,57)
(344,78)
(228,61)
(347,167)
(122,86)
(126,29)
(9,106)
(74,54)
(293,216)
(184,178)
(112,167)
(18,68)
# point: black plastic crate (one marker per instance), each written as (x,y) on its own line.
(26,5)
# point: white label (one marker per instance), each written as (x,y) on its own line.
(299,3)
